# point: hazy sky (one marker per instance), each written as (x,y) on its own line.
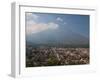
(37,23)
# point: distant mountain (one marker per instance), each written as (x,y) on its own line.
(58,37)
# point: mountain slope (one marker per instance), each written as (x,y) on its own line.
(55,37)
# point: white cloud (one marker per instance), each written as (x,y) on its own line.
(39,27)
(30,22)
(33,27)
(31,16)
(59,19)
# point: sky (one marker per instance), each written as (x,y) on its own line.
(54,24)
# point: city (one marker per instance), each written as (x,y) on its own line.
(56,56)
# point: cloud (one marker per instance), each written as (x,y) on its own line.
(59,19)
(31,16)
(39,27)
(33,27)
(30,22)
